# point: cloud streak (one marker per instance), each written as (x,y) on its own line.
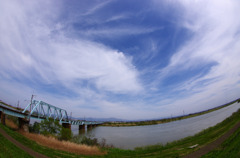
(35,53)
(59,56)
(215,36)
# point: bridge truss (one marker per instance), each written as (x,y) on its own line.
(45,110)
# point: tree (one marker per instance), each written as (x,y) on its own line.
(53,128)
(65,134)
(50,127)
(35,128)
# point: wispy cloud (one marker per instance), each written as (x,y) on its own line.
(215,36)
(61,58)
(96,7)
(33,51)
(118,31)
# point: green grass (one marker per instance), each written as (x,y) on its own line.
(8,149)
(230,148)
(36,147)
(174,149)
(180,148)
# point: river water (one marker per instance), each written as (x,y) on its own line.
(137,136)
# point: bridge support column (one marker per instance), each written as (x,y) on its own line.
(23,124)
(66,125)
(2,116)
(90,126)
(81,129)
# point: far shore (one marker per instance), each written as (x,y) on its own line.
(164,120)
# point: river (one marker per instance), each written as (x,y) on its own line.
(137,136)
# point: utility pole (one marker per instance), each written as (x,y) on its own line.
(18,104)
(31,102)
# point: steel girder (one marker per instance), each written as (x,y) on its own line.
(45,110)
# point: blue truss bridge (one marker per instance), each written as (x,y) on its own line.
(41,110)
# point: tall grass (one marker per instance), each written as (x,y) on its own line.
(53,143)
(11,124)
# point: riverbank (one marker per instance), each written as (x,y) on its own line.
(175,149)
(165,120)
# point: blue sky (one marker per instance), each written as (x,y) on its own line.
(127,59)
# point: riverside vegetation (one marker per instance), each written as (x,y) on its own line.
(165,120)
(175,149)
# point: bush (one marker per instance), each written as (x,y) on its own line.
(65,134)
(35,128)
(50,127)
(90,141)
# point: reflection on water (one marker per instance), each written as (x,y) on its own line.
(131,137)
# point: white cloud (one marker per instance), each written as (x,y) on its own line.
(97,7)
(34,51)
(33,44)
(118,31)
(215,39)
(34,48)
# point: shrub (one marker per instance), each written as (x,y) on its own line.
(50,127)
(35,128)
(65,134)
(90,141)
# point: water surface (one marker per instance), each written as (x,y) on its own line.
(136,136)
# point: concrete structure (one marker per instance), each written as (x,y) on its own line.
(90,126)
(82,127)
(23,124)
(2,116)
(66,125)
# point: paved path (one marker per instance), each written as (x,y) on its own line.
(204,150)
(27,149)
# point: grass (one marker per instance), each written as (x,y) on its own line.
(8,149)
(230,148)
(67,146)
(11,124)
(175,149)
(50,152)
(181,147)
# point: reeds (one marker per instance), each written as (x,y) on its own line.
(52,142)
(11,124)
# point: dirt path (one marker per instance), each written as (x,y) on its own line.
(204,150)
(28,150)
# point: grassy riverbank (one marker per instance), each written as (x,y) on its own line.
(8,149)
(174,149)
(166,120)
(230,148)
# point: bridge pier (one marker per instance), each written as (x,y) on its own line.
(82,127)
(23,124)
(2,116)
(90,126)
(66,125)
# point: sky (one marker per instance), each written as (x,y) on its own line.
(125,59)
